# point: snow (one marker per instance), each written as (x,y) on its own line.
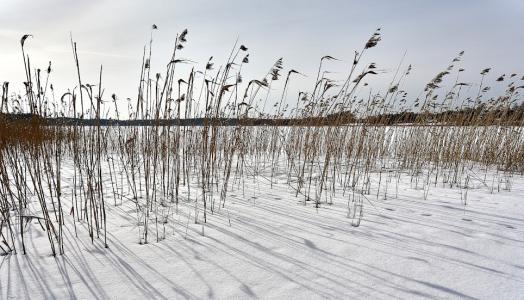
(267,244)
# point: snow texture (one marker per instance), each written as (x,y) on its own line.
(267,244)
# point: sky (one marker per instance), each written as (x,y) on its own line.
(113,33)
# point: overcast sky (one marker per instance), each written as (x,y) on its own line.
(113,33)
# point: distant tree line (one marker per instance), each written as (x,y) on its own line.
(479,115)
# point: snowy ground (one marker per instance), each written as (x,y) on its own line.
(267,244)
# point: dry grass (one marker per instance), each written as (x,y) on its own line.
(157,168)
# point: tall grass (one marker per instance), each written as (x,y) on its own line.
(339,144)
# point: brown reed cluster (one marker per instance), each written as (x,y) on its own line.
(342,145)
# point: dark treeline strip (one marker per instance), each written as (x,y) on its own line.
(467,116)
(35,119)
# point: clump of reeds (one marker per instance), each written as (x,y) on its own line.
(197,136)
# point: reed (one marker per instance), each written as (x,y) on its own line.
(337,144)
